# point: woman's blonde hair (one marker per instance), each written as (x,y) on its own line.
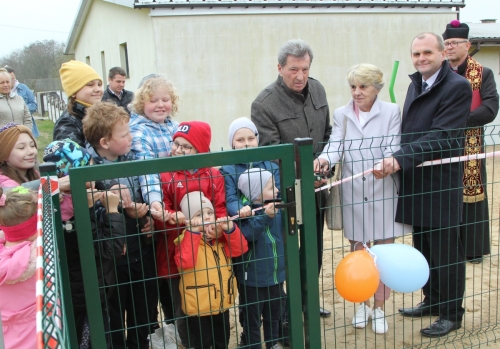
(366,74)
(18,208)
(4,71)
(147,90)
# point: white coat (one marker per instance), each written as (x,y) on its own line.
(369,204)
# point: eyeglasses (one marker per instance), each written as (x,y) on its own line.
(453,43)
(186,149)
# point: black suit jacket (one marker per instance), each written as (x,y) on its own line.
(432,129)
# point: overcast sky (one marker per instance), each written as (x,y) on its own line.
(26,21)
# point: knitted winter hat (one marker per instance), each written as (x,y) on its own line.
(198,133)
(455,29)
(21,231)
(147,77)
(24,201)
(75,75)
(241,123)
(8,138)
(193,202)
(66,154)
(252,181)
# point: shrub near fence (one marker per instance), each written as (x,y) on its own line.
(481,300)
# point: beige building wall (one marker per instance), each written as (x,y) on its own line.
(219,63)
(109,25)
(489,56)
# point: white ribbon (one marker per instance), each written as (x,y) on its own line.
(460,158)
(426,163)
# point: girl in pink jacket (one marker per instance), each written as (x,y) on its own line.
(18,220)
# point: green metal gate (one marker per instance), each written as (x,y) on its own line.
(302,293)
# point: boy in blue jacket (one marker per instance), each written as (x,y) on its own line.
(243,134)
(262,269)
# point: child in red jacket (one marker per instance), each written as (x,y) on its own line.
(191,138)
(208,286)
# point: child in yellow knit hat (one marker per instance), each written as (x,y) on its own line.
(83,87)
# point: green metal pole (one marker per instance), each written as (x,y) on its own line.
(87,259)
(393,80)
(47,170)
(308,242)
(292,260)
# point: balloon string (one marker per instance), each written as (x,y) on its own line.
(374,256)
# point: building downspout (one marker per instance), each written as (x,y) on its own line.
(476,50)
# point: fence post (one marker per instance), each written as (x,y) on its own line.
(48,170)
(308,246)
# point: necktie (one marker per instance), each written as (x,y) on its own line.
(424,86)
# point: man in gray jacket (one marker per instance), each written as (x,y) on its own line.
(295,106)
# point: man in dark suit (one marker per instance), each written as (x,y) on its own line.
(115,92)
(430,198)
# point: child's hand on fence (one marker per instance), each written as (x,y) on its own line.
(177,218)
(195,225)
(245,211)
(123,192)
(270,210)
(64,184)
(93,196)
(110,201)
(137,210)
(157,212)
(223,223)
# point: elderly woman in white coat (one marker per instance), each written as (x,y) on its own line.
(372,132)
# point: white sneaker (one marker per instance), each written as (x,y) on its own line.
(360,320)
(156,342)
(379,325)
(165,337)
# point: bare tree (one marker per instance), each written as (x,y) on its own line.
(38,60)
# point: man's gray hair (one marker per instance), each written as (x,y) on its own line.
(297,48)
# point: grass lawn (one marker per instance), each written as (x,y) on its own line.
(45,127)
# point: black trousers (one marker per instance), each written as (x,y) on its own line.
(262,304)
(475,229)
(210,331)
(130,306)
(443,251)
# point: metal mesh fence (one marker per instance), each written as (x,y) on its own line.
(134,276)
(420,197)
(194,276)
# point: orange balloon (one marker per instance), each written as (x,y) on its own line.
(356,277)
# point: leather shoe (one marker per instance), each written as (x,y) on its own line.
(420,310)
(324,312)
(440,328)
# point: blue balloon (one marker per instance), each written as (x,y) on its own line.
(402,267)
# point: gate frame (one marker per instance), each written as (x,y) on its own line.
(284,153)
